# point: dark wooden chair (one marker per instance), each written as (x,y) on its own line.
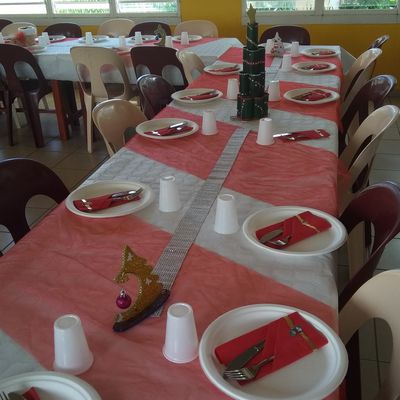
(68,29)
(378,42)
(159,61)
(148,28)
(155,94)
(20,180)
(4,22)
(370,97)
(29,91)
(288,33)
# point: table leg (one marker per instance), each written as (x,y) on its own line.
(62,119)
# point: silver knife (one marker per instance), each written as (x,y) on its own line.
(283,134)
(243,358)
(133,192)
(270,235)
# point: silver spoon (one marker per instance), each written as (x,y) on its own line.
(281,242)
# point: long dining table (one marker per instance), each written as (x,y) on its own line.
(68,262)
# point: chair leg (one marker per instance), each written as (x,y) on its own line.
(8,102)
(15,117)
(31,107)
(89,124)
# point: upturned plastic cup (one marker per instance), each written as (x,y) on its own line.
(138,38)
(209,123)
(226,220)
(169,195)
(274,91)
(294,50)
(168,41)
(71,351)
(42,41)
(269,45)
(232,89)
(122,42)
(181,341)
(265,135)
(89,38)
(286,63)
(184,38)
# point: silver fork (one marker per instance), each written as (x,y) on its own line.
(247,373)
(280,242)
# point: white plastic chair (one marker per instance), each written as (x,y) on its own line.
(192,65)
(201,27)
(377,298)
(359,73)
(116,27)
(112,118)
(12,29)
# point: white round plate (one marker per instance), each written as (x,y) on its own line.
(314,52)
(297,92)
(192,38)
(36,48)
(155,124)
(321,243)
(300,67)
(56,38)
(50,386)
(312,377)
(192,92)
(96,38)
(145,38)
(105,187)
(213,69)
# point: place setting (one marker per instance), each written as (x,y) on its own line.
(190,38)
(107,199)
(319,52)
(196,96)
(313,68)
(89,38)
(311,96)
(167,128)
(223,69)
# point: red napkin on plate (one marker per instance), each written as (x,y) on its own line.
(226,69)
(306,135)
(31,394)
(202,96)
(298,227)
(288,339)
(313,95)
(323,52)
(315,67)
(169,131)
(101,202)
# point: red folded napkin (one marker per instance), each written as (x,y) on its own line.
(313,95)
(306,135)
(226,69)
(202,96)
(169,131)
(315,67)
(101,202)
(288,339)
(323,52)
(298,227)
(31,394)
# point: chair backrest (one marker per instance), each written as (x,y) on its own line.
(370,97)
(10,55)
(201,27)
(378,206)
(288,33)
(192,64)
(148,28)
(359,73)
(161,61)
(359,154)
(4,22)
(68,29)
(20,180)
(377,298)
(12,29)
(112,118)
(116,27)
(155,94)
(378,42)
(96,61)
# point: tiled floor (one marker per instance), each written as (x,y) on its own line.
(72,163)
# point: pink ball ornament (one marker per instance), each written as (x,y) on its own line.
(123,300)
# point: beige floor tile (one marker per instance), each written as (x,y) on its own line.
(40,201)
(34,215)
(82,161)
(384,161)
(391,256)
(5,238)
(389,146)
(384,340)
(368,347)
(72,177)
(369,379)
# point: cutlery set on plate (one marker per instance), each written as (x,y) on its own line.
(11,396)
(179,127)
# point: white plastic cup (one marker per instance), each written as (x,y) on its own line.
(42,41)
(184,38)
(46,36)
(71,351)
(232,90)
(295,50)
(122,42)
(265,135)
(138,38)
(169,195)
(226,220)
(209,123)
(168,41)
(181,340)
(269,45)
(274,91)
(286,63)
(89,38)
